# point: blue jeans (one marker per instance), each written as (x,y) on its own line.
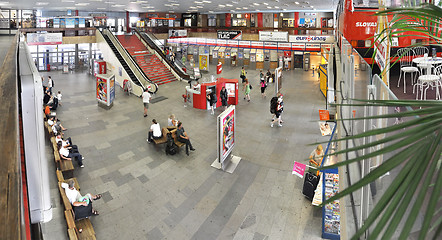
(77,157)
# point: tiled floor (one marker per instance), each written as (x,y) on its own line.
(150,195)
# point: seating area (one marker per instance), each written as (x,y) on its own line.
(80,229)
(165,131)
(425,72)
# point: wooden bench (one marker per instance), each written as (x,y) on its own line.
(163,139)
(80,229)
(175,138)
(65,166)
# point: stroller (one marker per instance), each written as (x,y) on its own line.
(127,87)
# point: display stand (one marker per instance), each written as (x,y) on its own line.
(226,141)
(105,91)
(331,213)
(99,67)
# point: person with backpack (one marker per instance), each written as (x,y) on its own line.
(184,138)
(246,88)
(243,74)
(277,108)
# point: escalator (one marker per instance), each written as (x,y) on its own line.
(152,42)
(137,76)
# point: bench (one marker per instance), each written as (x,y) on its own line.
(175,138)
(80,229)
(163,139)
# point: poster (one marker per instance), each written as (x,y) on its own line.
(177,33)
(112,89)
(44,38)
(325,128)
(299,169)
(226,133)
(204,62)
(332,216)
(230,35)
(324,115)
(102,90)
(230,88)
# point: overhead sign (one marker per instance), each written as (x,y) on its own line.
(274,36)
(44,38)
(313,39)
(230,35)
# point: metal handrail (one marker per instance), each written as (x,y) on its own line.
(159,49)
(132,63)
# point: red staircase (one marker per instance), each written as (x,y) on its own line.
(148,62)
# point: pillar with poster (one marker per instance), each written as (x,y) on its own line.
(105,91)
(226,123)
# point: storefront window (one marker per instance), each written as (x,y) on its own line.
(211,22)
(188,22)
(241,22)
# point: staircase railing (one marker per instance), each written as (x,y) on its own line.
(141,78)
(153,43)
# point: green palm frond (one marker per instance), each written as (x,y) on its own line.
(416,148)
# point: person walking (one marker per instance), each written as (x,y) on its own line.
(50,84)
(278,112)
(263,88)
(246,89)
(184,138)
(243,74)
(211,97)
(223,96)
(146,99)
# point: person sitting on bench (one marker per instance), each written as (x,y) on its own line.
(67,153)
(154,132)
(182,137)
(82,205)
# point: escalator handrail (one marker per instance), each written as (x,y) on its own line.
(148,39)
(128,56)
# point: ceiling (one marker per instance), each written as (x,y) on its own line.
(179,6)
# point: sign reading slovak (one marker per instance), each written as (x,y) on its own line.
(230,35)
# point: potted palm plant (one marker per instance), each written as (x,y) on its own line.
(413,199)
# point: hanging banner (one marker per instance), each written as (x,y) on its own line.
(177,33)
(285,46)
(271,45)
(274,36)
(44,38)
(257,45)
(237,35)
(70,22)
(298,46)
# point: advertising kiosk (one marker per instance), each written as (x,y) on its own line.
(99,67)
(105,91)
(196,95)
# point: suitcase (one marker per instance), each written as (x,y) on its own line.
(310,183)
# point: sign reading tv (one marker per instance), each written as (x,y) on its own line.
(237,35)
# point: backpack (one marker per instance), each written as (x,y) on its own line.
(171,147)
(273,105)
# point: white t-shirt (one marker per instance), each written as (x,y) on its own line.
(59,139)
(72,194)
(64,151)
(59,97)
(317,157)
(50,83)
(146,97)
(156,130)
(50,122)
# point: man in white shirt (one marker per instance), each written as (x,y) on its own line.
(50,84)
(66,154)
(82,205)
(154,132)
(146,99)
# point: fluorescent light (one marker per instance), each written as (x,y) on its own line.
(118,5)
(256,4)
(81,4)
(297,3)
(266,4)
(41,3)
(229,5)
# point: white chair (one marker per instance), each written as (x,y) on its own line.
(429,80)
(420,51)
(406,57)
